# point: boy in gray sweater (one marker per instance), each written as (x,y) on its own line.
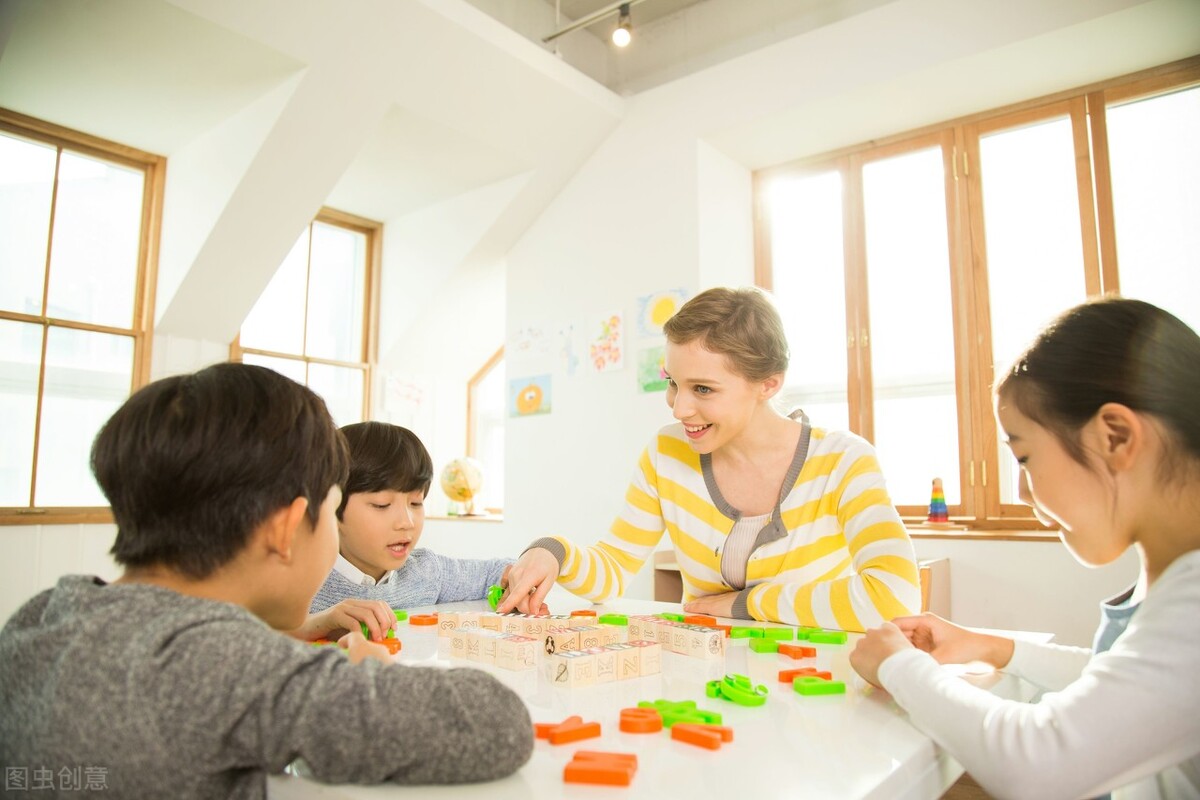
(174,681)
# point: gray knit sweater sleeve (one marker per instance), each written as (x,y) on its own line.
(181,697)
(467,578)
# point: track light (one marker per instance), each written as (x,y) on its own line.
(621,34)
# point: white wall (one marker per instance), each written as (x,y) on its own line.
(36,556)
(1027,586)
(656,207)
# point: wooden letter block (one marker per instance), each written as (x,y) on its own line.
(571,669)
(458,642)
(629,661)
(606,664)
(447,622)
(516,652)
(650,657)
(589,637)
(561,640)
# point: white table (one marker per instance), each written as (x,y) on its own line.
(857,745)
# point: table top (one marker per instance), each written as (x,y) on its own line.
(856,745)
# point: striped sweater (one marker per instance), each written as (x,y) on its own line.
(842,558)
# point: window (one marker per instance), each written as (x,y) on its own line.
(315,322)
(485,429)
(78,231)
(911,272)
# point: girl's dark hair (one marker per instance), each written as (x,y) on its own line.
(1110,350)
(192,464)
(385,457)
(741,324)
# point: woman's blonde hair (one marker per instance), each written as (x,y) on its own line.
(741,324)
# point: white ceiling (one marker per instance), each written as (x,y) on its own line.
(466,110)
(671,38)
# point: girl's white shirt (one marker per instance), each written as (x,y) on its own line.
(1125,721)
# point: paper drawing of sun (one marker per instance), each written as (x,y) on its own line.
(655,309)
(528,396)
(530,399)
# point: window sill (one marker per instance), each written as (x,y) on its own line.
(917,531)
(465,518)
(56,516)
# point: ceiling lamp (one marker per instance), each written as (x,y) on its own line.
(621,34)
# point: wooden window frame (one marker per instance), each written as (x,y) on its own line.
(141,330)
(472,385)
(1085,106)
(374,232)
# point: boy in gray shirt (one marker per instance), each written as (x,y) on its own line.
(174,681)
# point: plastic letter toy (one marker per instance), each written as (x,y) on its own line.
(681,711)
(572,729)
(709,736)
(401,614)
(827,637)
(810,684)
(790,675)
(737,689)
(494,593)
(796,651)
(641,720)
(423,619)
(609,769)
(613,619)
(742,632)
(778,633)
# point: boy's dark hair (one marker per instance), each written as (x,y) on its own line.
(385,457)
(1110,350)
(192,464)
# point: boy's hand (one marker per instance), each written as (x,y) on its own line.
(528,581)
(348,615)
(359,649)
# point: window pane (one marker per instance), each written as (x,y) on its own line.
(88,376)
(912,326)
(20,355)
(807,270)
(26,183)
(94,248)
(1034,250)
(336,281)
(284,366)
(342,390)
(487,406)
(277,320)
(1155,171)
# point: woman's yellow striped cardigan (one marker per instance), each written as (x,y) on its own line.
(846,561)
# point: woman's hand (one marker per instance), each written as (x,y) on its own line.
(348,616)
(716,605)
(952,644)
(527,582)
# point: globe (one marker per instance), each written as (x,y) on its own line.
(461,479)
